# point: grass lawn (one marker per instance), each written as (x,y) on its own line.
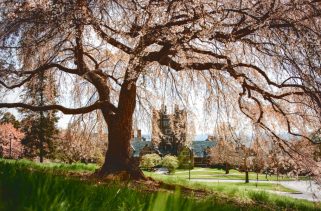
(56,167)
(228,187)
(26,185)
(211,173)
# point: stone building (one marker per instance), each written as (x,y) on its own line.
(169,130)
(169,136)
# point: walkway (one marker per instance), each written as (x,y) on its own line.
(309,190)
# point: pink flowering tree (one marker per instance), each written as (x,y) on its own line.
(10,141)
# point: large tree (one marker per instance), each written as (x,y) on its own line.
(259,53)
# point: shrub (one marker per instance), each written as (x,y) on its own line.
(170,162)
(150,160)
(186,161)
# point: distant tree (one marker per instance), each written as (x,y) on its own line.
(259,157)
(245,160)
(170,162)
(8,117)
(224,153)
(40,127)
(282,163)
(39,136)
(78,145)
(149,161)
(10,141)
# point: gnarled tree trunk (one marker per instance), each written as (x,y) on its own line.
(118,160)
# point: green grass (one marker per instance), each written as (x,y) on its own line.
(211,173)
(25,185)
(24,188)
(245,192)
(228,187)
(56,167)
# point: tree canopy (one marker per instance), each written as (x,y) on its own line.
(261,58)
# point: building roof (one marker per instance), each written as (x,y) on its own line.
(199,147)
(138,144)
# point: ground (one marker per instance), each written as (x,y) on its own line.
(25,185)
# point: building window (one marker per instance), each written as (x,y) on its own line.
(168,131)
(165,123)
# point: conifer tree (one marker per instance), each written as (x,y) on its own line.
(40,127)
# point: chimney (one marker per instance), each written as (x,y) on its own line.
(139,134)
(164,109)
(176,108)
(132,136)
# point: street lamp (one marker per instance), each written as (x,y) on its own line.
(189,169)
(10,146)
(190,163)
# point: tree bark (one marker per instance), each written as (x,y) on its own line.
(227,169)
(247,177)
(118,160)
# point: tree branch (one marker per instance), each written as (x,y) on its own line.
(111,40)
(35,71)
(82,110)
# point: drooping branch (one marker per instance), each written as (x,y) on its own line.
(32,73)
(65,110)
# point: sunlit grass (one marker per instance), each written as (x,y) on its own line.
(57,167)
(24,189)
(212,173)
(245,191)
(25,185)
(235,187)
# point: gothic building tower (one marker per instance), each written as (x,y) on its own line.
(169,130)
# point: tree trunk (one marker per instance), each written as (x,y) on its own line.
(247,177)
(227,169)
(118,160)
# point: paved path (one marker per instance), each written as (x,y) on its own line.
(309,190)
(230,180)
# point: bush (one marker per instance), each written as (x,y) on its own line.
(149,161)
(170,162)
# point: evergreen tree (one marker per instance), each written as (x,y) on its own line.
(8,117)
(40,127)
